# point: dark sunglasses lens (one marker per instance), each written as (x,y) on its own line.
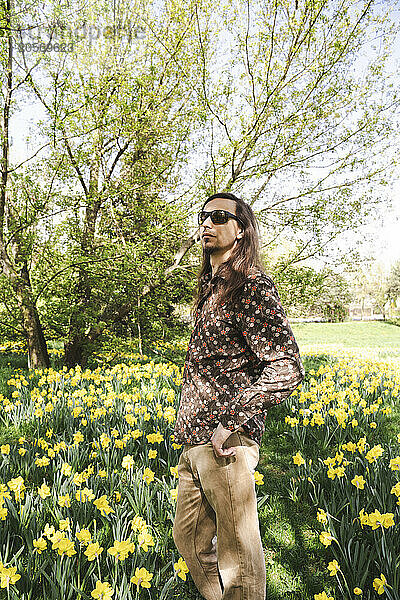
(219,217)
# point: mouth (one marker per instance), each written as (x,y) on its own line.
(207,235)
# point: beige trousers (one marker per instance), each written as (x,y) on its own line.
(216,525)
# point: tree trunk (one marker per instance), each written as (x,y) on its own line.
(80,346)
(74,353)
(38,356)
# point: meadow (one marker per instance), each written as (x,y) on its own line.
(88,477)
(377,338)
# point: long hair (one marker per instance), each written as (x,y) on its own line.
(242,262)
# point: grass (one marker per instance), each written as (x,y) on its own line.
(376,336)
(8,364)
(296,565)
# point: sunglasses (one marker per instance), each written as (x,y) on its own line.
(218,217)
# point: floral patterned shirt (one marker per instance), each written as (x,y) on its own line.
(242,358)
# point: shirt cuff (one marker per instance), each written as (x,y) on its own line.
(240,412)
(249,404)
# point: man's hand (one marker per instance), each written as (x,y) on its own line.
(218,438)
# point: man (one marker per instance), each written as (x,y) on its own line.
(242,359)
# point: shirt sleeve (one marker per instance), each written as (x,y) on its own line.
(264,325)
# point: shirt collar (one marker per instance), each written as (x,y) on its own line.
(209,277)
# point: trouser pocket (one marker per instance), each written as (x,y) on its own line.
(251,452)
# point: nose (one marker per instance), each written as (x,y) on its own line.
(207,221)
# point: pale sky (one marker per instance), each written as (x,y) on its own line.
(385,237)
(385,243)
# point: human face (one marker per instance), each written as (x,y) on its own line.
(220,239)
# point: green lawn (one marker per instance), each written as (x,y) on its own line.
(375,336)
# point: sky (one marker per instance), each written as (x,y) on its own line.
(384,240)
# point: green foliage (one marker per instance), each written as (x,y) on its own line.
(305,291)
(370,283)
(298,286)
(393,322)
(393,282)
(334,312)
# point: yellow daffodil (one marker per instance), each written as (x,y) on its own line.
(174,471)
(8,576)
(322,516)
(148,475)
(145,540)
(66,469)
(298,459)
(39,545)
(128,462)
(322,596)
(333,567)
(85,495)
(44,491)
(258,478)
(102,505)
(325,538)
(64,524)
(121,550)
(374,453)
(64,546)
(138,523)
(379,584)
(142,578)
(358,481)
(155,438)
(17,486)
(181,568)
(92,551)
(42,462)
(103,591)
(84,536)
(64,501)
(49,531)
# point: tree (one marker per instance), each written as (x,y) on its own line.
(20,203)
(300,108)
(370,282)
(393,283)
(306,291)
(119,131)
